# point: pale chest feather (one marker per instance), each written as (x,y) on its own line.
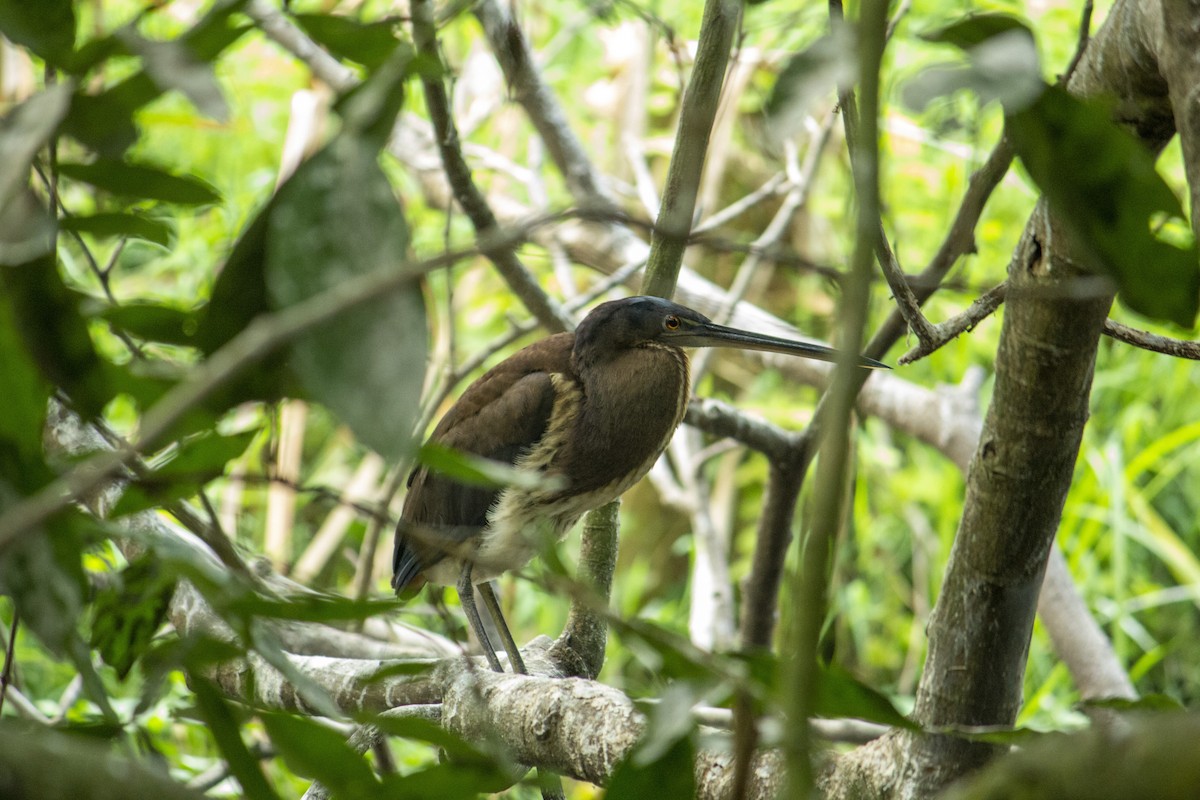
(601,440)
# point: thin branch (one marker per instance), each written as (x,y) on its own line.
(1179,348)
(468,195)
(6,676)
(945,332)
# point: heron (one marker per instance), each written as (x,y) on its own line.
(590,411)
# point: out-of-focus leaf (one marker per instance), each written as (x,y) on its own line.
(25,398)
(132,226)
(46,27)
(1147,702)
(127,614)
(402,668)
(366,43)
(671,774)
(154,323)
(315,608)
(226,731)
(840,694)
(975,29)
(54,332)
(315,751)
(334,220)
(43,574)
(142,182)
(667,653)
(670,720)
(240,292)
(475,471)
(1001,65)
(23,131)
(826,64)
(1103,184)
(173,65)
(198,461)
(40,762)
(456,748)
(448,782)
(369,110)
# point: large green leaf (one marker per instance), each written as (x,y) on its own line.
(367,43)
(47,27)
(174,65)
(225,728)
(129,226)
(670,774)
(1103,184)
(196,462)
(840,694)
(316,751)
(142,182)
(337,219)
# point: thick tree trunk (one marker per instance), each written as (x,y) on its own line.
(1022,469)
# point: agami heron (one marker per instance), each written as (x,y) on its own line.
(592,410)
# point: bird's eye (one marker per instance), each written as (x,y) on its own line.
(671,323)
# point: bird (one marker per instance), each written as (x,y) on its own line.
(589,411)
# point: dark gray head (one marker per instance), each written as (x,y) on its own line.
(639,321)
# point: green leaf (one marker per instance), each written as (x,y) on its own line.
(40,762)
(196,462)
(153,323)
(54,332)
(131,226)
(671,774)
(240,291)
(142,182)
(23,131)
(25,397)
(368,43)
(43,573)
(173,65)
(449,782)
(976,29)
(316,751)
(46,27)
(334,220)
(1147,702)
(226,731)
(310,608)
(1103,184)
(127,613)
(456,748)
(840,694)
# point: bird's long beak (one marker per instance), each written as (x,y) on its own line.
(710,334)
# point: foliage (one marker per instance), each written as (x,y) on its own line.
(148,235)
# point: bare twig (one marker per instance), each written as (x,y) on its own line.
(945,332)
(1180,348)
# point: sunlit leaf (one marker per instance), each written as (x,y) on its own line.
(196,462)
(473,470)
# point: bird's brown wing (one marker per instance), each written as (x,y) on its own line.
(501,416)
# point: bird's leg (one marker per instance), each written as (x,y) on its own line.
(466,597)
(488,592)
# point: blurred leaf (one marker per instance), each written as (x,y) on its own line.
(448,782)
(840,694)
(142,182)
(40,762)
(1002,64)
(41,570)
(473,470)
(24,130)
(46,27)
(671,774)
(402,668)
(975,29)
(153,323)
(825,65)
(366,43)
(132,226)
(369,110)
(197,461)
(1103,184)
(173,65)
(104,122)
(334,220)
(670,720)
(1147,702)
(240,292)
(53,330)
(25,398)
(226,731)
(315,751)
(310,608)
(127,614)
(417,729)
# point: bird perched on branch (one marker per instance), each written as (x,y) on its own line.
(590,411)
